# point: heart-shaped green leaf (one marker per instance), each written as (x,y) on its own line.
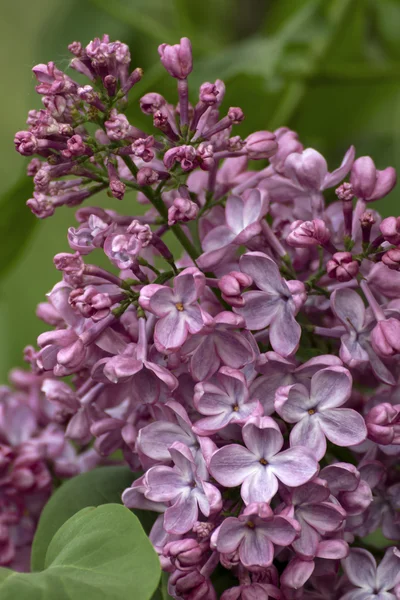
(100,553)
(100,486)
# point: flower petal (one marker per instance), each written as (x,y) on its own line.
(231,465)
(163,483)
(284,331)
(360,568)
(262,440)
(294,466)
(264,272)
(230,535)
(170,331)
(388,572)
(349,308)
(259,309)
(180,518)
(331,387)
(292,402)
(343,426)
(308,433)
(256,549)
(259,486)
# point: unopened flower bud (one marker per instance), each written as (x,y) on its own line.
(72,264)
(235,115)
(205,156)
(261,144)
(234,282)
(391,259)
(25,143)
(146,176)
(383,424)
(143,148)
(208,93)
(151,103)
(177,59)
(142,232)
(345,192)
(298,291)
(385,337)
(390,229)
(185,155)
(182,209)
(342,266)
(186,553)
(308,233)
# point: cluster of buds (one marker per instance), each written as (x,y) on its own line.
(253,379)
(33,450)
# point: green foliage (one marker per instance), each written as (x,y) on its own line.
(101,486)
(17,223)
(98,554)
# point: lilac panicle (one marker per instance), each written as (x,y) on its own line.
(251,379)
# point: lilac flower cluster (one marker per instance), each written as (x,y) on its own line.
(254,379)
(33,451)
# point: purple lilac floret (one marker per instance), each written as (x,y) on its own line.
(252,378)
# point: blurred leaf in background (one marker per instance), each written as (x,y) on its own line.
(328,68)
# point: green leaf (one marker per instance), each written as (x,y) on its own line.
(100,486)
(98,554)
(17,222)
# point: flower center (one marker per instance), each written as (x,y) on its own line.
(250,524)
(263,461)
(311,411)
(235,408)
(179,306)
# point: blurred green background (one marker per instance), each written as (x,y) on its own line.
(328,68)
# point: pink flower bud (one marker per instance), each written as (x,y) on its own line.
(143,148)
(298,291)
(261,144)
(151,103)
(177,59)
(25,143)
(186,553)
(33,167)
(90,303)
(308,233)
(76,146)
(342,266)
(117,127)
(205,156)
(345,192)
(233,283)
(391,259)
(182,209)
(383,424)
(385,337)
(72,264)
(185,155)
(142,232)
(390,229)
(235,115)
(368,182)
(146,176)
(208,93)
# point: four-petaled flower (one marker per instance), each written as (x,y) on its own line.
(317,414)
(259,465)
